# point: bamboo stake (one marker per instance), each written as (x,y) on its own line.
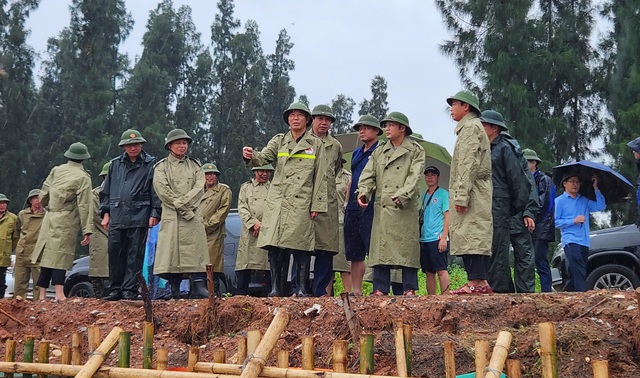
(219,356)
(242,350)
(28,352)
(194,356)
(401,357)
(499,355)
(282,359)
(123,350)
(407,330)
(162,359)
(253,339)
(514,369)
(482,351)
(65,359)
(307,353)
(231,370)
(76,351)
(99,355)
(43,355)
(340,356)
(10,354)
(548,350)
(600,368)
(147,351)
(256,363)
(91,337)
(366,354)
(449,359)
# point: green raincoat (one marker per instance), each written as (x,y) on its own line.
(252,201)
(215,206)
(99,247)
(9,236)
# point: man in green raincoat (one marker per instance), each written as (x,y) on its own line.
(8,240)
(99,246)
(29,223)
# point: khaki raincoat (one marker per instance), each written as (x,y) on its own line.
(98,249)
(182,241)
(340,263)
(215,206)
(66,193)
(9,236)
(296,190)
(252,201)
(326,224)
(28,225)
(470,185)
(394,172)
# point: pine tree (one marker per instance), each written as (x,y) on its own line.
(378,105)
(343,110)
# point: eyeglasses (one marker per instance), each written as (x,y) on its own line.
(575,182)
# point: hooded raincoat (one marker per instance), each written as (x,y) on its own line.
(394,172)
(252,201)
(98,248)
(215,206)
(66,193)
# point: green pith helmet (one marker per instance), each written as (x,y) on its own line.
(368,120)
(324,110)
(297,106)
(32,193)
(530,154)
(467,97)
(176,134)
(3,198)
(105,169)
(267,167)
(494,118)
(210,168)
(399,118)
(77,151)
(131,136)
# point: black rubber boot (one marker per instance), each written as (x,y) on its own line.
(3,290)
(274,264)
(96,282)
(175,291)
(198,288)
(303,261)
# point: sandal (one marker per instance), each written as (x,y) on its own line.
(467,289)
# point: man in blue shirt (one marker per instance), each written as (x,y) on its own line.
(572,218)
(434,252)
(358,221)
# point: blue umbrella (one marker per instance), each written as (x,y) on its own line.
(614,186)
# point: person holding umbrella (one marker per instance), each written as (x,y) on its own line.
(572,218)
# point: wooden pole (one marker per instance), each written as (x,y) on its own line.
(340,356)
(124,359)
(194,356)
(43,355)
(253,339)
(99,355)
(147,351)
(219,356)
(514,368)
(282,359)
(274,372)
(10,354)
(162,359)
(93,337)
(600,368)
(65,359)
(499,355)
(256,363)
(548,350)
(449,359)
(401,357)
(28,352)
(307,353)
(242,350)
(482,351)
(366,353)
(408,347)
(76,351)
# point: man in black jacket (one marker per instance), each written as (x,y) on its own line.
(128,206)
(511,192)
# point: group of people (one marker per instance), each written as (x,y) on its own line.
(311,207)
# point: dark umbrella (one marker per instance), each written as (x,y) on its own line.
(614,186)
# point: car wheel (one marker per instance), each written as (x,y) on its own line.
(82,289)
(616,277)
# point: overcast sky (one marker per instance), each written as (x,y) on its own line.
(339,46)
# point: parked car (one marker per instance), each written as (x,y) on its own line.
(613,260)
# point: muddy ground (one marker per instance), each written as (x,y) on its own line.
(593,325)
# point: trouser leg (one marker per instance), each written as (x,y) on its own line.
(499,266)
(577,259)
(524,273)
(35,274)
(117,258)
(541,249)
(382,278)
(409,279)
(322,272)
(21,275)
(134,250)
(3,281)
(243,277)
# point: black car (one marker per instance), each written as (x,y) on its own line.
(613,260)
(77,282)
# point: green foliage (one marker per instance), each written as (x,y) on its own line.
(378,105)
(343,110)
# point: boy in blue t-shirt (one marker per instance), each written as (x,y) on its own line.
(434,250)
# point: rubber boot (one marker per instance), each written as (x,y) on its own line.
(302,274)
(274,265)
(96,282)
(3,290)
(175,290)
(198,288)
